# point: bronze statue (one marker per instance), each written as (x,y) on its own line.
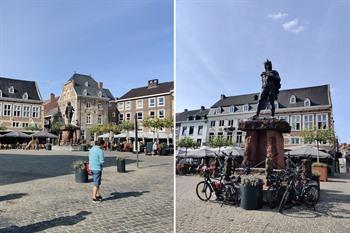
(271,83)
(69,112)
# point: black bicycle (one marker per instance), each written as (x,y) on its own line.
(205,188)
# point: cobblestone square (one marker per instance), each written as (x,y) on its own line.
(332,213)
(38,193)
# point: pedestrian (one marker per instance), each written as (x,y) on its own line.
(155,148)
(36,144)
(96,160)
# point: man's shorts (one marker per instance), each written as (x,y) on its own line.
(96,177)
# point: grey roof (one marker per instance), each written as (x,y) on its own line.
(92,88)
(318,95)
(186,115)
(20,87)
(145,91)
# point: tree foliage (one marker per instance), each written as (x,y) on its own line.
(187,142)
(155,124)
(219,142)
(32,127)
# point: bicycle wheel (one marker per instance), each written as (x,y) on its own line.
(203,191)
(311,195)
(284,201)
(273,196)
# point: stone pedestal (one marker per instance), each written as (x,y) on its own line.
(70,135)
(264,138)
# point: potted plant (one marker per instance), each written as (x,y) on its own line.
(81,175)
(121,164)
(163,149)
(251,192)
(320,168)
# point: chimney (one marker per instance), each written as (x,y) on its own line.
(202,108)
(152,83)
(52,97)
(185,110)
(222,96)
(100,85)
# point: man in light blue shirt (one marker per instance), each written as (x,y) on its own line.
(96,160)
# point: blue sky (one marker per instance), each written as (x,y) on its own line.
(221,47)
(121,43)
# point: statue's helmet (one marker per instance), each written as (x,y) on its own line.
(268,63)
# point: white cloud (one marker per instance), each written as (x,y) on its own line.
(293,26)
(279,15)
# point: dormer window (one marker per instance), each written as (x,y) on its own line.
(232,108)
(86,83)
(85,92)
(276,105)
(25,96)
(292,99)
(246,108)
(218,110)
(11,90)
(307,102)
(99,93)
(190,118)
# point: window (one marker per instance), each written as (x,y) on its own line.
(25,96)
(308,121)
(191,130)
(230,123)
(211,136)
(127,105)
(184,129)
(99,120)
(99,94)
(11,90)
(17,110)
(25,124)
(85,92)
(121,116)
(35,112)
(0,109)
(200,130)
(161,101)
(161,113)
(139,104)
(285,118)
(86,83)
(152,114)
(229,136)
(239,137)
(7,109)
(276,105)
(15,124)
(294,140)
(307,102)
(322,122)
(0,93)
(128,116)
(113,114)
(151,102)
(221,123)
(121,106)
(295,122)
(217,111)
(212,123)
(292,99)
(99,106)
(220,134)
(26,111)
(88,105)
(232,109)
(246,108)
(88,119)
(139,115)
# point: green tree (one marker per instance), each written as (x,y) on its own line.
(154,124)
(57,125)
(318,136)
(187,142)
(2,128)
(219,142)
(32,127)
(126,126)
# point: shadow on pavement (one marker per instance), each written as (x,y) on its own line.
(25,167)
(12,196)
(40,226)
(119,195)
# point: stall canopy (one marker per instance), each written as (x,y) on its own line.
(140,135)
(43,134)
(15,134)
(306,151)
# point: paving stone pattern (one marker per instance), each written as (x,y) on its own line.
(332,212)
(140,200)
